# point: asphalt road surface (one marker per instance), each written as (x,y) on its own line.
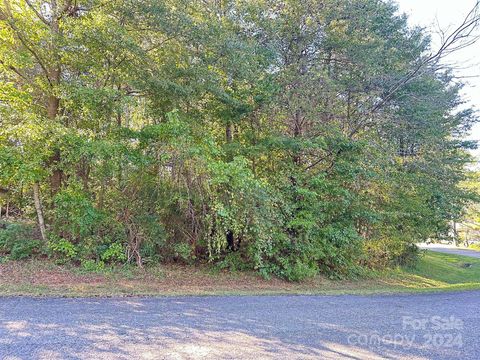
(450,249)
(428,326)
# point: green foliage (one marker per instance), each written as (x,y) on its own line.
(75,215)
(475,246)
(114,253)
(93,266)
(244,134)
(62,248)
(24,249)
(182,252)
(386,253)
(17,241)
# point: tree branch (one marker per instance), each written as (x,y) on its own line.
(40,16)
(453,42)
(24,42)
(15,70)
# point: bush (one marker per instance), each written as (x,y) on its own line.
(93,266)
(183,252)
(61,248)
(114,253)
(475,246)
(298,270)
(233,262)
(18,241)
(387,253)
(75,216)
(25,249)
(83,232)
(408,256)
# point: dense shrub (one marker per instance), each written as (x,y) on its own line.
(386,253)
(17,241)
(290,138)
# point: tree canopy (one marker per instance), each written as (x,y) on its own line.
(290,137)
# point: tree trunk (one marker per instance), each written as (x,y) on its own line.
(228,133)
(53,102)
(38,208)
(455,234)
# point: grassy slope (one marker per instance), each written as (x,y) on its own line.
(446,271)
(435,272)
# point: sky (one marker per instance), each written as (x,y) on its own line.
(447,14)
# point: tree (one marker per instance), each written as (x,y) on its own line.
(288,137)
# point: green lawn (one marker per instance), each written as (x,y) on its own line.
(475,247)
(437,271)
(434,272)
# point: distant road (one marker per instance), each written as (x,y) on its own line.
(428,326)
(450,249)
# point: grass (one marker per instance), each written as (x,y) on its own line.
(434,272)
(449,269)
(441,272)
(475,247)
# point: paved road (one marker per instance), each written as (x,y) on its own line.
(269,327)
(449,249)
